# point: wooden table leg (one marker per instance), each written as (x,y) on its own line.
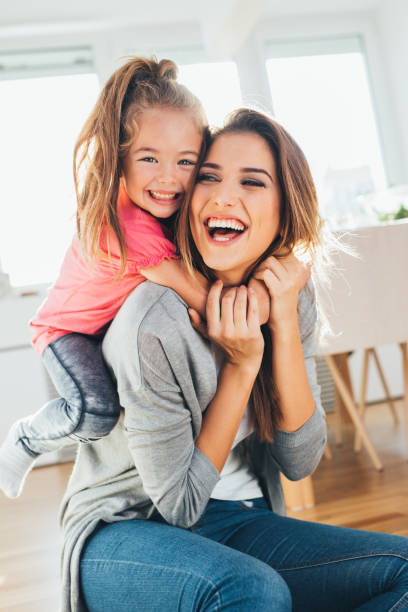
(363,392)
(404,349)
(385,386)
(352,411)
(341,360)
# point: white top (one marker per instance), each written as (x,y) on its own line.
(237,482)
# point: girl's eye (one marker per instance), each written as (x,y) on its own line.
(150,160)
(186,162)
(253,183)
(203,177)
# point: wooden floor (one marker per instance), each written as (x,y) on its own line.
(348,491)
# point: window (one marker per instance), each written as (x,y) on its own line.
(45,98)
(216,85)
(320,92)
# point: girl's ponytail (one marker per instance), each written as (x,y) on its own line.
(107,136)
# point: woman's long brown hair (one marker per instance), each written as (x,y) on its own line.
(300,227)
(107,136)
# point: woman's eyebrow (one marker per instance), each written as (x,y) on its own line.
(211,165)
(259,170)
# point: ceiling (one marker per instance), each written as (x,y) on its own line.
(27,12)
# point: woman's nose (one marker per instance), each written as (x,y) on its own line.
(223,197)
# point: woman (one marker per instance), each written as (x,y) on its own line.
(209,533)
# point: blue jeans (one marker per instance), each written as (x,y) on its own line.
(241,556)
(88,408)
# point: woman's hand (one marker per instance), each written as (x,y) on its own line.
(233,324)
(284,278)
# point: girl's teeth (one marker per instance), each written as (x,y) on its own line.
(163,196)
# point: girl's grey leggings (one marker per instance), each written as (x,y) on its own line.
(88,408)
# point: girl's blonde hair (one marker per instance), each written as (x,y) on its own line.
(107,135)
(300,230)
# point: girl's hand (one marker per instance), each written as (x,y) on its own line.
(233,324)
(284,278)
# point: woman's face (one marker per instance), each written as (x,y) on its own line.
(235,208)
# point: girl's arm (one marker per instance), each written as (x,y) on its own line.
(173,273)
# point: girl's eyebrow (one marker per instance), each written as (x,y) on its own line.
(152,150)
(148,149)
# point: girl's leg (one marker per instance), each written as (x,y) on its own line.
(150,566)
(87,410)
(325,567)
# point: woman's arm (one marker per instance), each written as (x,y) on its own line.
(233,323)
(165,375)
(300,440)
(284,278)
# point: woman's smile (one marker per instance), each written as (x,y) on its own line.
(235,209)
(224,228)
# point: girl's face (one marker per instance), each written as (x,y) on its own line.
(159,164)
(235,208)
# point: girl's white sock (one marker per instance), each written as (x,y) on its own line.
(15,464)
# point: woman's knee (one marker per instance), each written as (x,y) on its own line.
(252,586)
(268,591)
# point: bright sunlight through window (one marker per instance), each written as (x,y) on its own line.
(216,85)
(324,102)
(39,123)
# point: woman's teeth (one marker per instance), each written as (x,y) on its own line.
(223,230)
(230,223)
(163,196)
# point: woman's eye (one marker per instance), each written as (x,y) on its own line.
(253,183)
(203,177)
(186,162)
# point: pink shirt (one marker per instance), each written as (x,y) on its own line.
(86,296)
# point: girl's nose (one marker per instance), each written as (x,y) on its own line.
(167,175)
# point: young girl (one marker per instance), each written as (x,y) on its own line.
(133,163)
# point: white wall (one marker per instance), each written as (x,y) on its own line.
(392,23)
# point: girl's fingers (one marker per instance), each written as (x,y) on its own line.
(212,309)
(272,282)
(276,266)
(197,322)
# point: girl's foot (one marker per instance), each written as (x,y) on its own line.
(15,464)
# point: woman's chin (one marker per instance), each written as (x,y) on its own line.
(226,271)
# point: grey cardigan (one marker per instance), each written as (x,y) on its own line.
(166,377)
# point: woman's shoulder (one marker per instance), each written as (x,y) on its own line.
(152,310)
